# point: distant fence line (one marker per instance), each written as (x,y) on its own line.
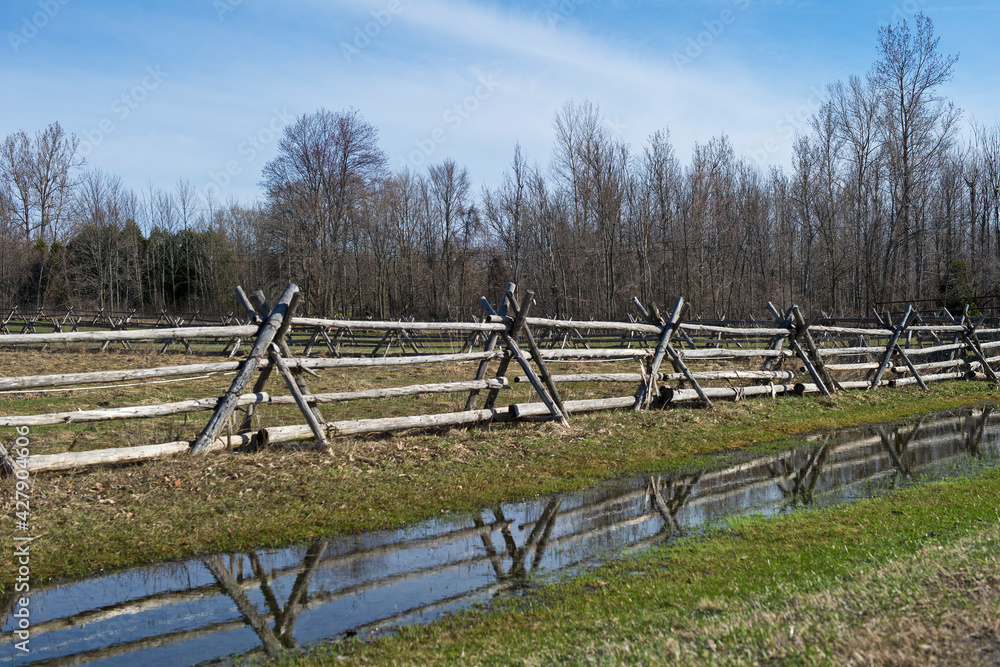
(791,355)
(29,320)
(346,336)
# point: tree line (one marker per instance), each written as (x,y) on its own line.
(884,200)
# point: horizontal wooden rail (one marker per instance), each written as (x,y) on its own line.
(397,326)
(395,392)
(666,377)
(919,351)
(735,393)
(935,365)
(129,335)
(582,325)
(850,330)
(851,351)
(368,362)
(119,455)
(723,352)
(133,412)
(97,377)
(387,424)
(860,366)
(809,388)
(735,331)
(937,328)
(575,354)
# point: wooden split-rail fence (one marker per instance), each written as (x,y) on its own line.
(704,362)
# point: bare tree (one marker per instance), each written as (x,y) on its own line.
(404,223)
(662,176)
(506,215)
(161,251)
(13,242)
(856,109)
(451,214)
(325,162)
(38,176)
(577,126)
(105,255)
(918,126)
(52,173)
(988,149)
(186,205)
(15,172)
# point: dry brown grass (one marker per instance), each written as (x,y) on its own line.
(940,606)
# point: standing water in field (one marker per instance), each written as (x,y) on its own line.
(233,604)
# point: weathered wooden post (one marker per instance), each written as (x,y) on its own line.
(645,393)
(301,394)
(260,350)
(277,355)
(794,342)
(244,300)
(890,348)
(536,354)
(514,352)
(491,344)
(802,331)
(972,340)
(777,344)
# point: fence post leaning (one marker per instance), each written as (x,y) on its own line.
(490,346)
(255,318)
(673,324)
(300,394)
(972,340)
(777,344)
(909,364)
(260,350)
(802,331)
(794,342)
(514,352)
(647,390)
(890,347)
(537,354)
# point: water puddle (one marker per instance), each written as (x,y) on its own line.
(210,608)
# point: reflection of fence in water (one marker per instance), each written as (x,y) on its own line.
(373,581)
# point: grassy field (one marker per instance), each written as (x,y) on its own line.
(114,518)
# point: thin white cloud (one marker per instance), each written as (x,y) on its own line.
(541,67)
(228,77)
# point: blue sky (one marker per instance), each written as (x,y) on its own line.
(200,89)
